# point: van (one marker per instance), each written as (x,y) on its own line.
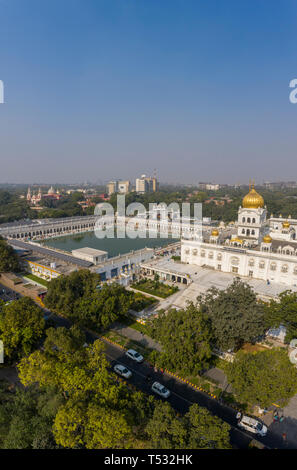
(251,424)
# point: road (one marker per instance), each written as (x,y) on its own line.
(182,395)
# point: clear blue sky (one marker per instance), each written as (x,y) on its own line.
(101,89)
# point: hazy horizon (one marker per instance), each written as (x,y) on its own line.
(97,90)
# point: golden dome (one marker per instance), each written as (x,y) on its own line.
(267,239)
(215,233)
(286,224)
(252,200)
(237,240)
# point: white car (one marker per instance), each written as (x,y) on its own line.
(132,354)
(123,371)
(251,424)
(160,390)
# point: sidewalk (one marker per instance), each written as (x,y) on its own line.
(135,335)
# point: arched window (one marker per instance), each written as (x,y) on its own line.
(219,257)
(261,264)
(243,230)
(254,220)
(273,266)
(243,220)
(253,232)
(248,220)
(234,261)
(251,262)
(285,268)
(202,254)
(210,254)
(194,252)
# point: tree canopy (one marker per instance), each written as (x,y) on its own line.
(98,411)
(197,429)
(185,336)
(26,418)
(8,258)
(263,378)
(76,297)
(21,327)
(235,313)
(283,311)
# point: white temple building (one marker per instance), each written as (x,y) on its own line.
(261,249)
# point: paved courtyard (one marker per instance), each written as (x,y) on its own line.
(205,278)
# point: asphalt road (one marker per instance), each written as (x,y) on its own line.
(182,396)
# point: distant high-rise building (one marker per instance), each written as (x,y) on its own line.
(122,187)
(146,184)
(112,187)
(209,186)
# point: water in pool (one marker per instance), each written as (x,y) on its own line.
(114,246)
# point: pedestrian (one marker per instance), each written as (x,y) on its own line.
(284,436)
(281,419)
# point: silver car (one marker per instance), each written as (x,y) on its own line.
(134,355)
(160,390)
(123,371)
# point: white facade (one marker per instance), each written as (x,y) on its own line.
(251,223)
(275,267)
(253,252)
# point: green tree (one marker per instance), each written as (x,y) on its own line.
(184,336)
(91,426)
(21,327)
(205,431)
(8,258)
(263,378)
(197,429)
(165,430)
(235,313)
(76,297)
(65,291)
(283,311)
(28,417)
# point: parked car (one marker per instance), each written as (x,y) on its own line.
(160,390)
(123,371)
(134,355)
(251,424)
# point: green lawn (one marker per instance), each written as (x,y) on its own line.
(141,302)
(157,288)
(132,323)
(36,279)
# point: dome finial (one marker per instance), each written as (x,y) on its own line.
(252,200)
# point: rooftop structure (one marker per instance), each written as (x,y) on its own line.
(90,254)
